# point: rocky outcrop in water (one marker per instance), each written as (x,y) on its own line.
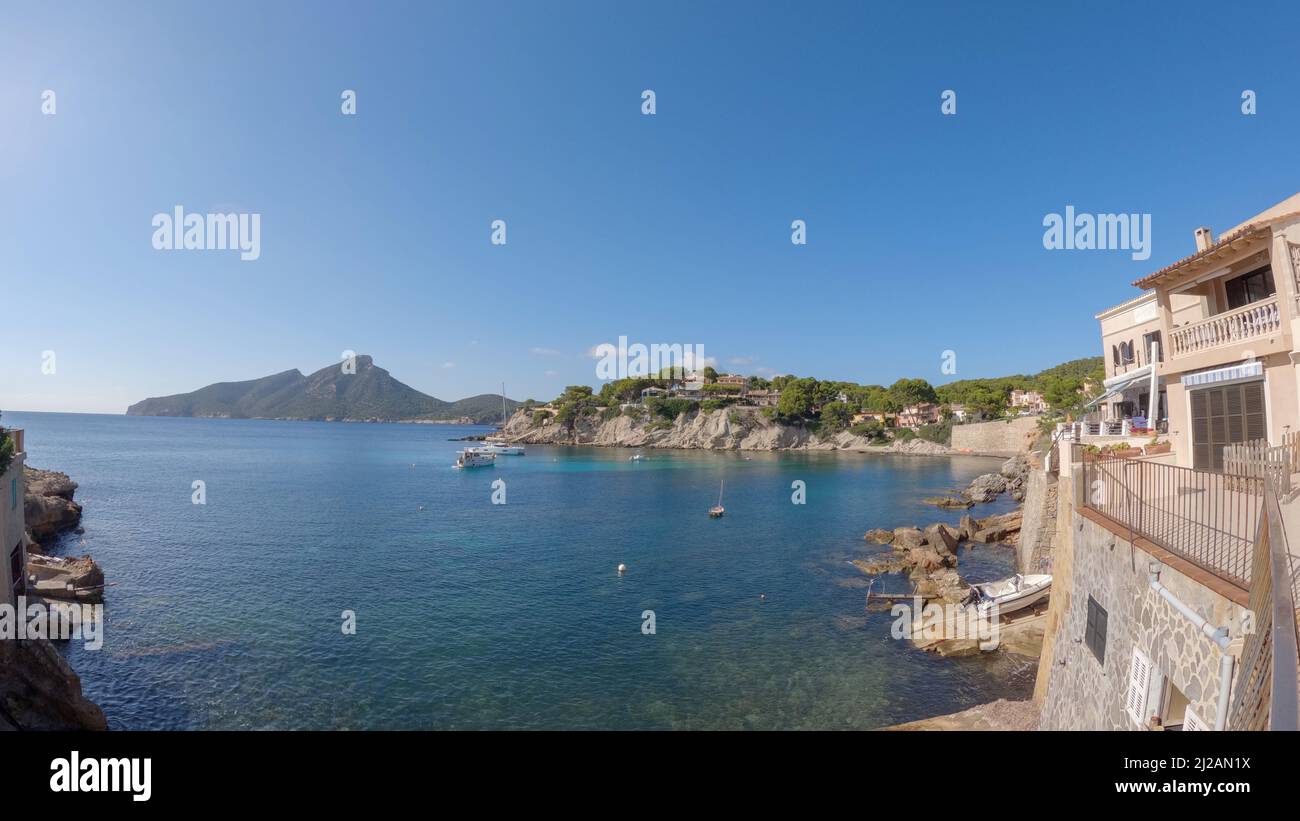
(48,505)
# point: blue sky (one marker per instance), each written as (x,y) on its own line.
(924,231)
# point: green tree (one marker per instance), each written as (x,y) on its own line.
(797,399)
(835,417)
(710,375)
(6,450)
(913,391)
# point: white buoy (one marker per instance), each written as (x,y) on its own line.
(622,568)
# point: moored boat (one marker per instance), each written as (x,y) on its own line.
(1009,595)
(717,510)
(474,458)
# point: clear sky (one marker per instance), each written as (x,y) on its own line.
(925,231)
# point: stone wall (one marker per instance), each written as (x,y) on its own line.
(1081,693)
(1038,529)
(1001,438)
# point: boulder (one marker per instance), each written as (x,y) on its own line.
(986,488)
(927,559)
(906,538)
(998,528)
(942,539)
(879,535)
(949,502)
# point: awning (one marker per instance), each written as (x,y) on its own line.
(1117,384)
(1246,370)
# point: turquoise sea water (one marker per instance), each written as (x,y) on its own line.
(473,615)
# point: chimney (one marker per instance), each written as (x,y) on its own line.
(1204,238)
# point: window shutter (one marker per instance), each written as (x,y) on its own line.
(1191,721)
(1139,679)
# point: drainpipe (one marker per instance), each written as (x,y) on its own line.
(1218,635)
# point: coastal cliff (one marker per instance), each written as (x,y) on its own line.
(723,429)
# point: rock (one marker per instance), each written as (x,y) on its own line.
(966,529)
(1017,467)
(998,528)
(906,538)
(949,502)
(929,559)
(941,538)
(879,535)
(986,488)
(48,505)
(39,691)
(918,447)
(882,564)
(79,579)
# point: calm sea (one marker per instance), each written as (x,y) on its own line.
(228,615)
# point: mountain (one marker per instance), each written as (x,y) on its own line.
(369,395)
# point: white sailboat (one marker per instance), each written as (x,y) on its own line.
(717,510)
(497,442)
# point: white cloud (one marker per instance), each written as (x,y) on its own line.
(552,373)
(546,352)
(688,361)
(448,364)
(742,361)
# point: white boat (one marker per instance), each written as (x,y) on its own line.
(1009,595)
(636,457)
(718,510)
(475,458)
(500,447)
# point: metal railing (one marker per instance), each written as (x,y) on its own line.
(1267,691)
(1209,519)
(1247,322)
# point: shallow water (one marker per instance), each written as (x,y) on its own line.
(474,615)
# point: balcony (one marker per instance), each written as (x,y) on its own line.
(1253,321)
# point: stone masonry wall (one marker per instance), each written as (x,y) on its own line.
(1001,438)
(1084,694)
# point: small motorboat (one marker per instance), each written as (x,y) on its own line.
(474,458)
(1009,595)
(717,510)
(636,457)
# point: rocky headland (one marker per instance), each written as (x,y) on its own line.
(737,428)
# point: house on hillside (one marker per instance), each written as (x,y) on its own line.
(914,416)
(1028,401)
(763,398)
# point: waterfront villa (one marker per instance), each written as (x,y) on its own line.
(13,567)
(1229,313)
(1131,350)
(737,382)
(1174,579)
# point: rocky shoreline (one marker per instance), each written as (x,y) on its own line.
(929,555)
(737,428)
(38,688)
